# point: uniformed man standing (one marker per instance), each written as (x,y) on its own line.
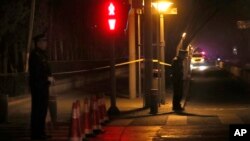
(39,81)
(177,77)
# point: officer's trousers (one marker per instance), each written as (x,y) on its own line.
(39,106)
(178,93)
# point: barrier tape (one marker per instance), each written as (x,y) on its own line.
(117,65)
(130,62)
(162,63)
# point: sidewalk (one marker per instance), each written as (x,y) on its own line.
(133,124)
(128,107)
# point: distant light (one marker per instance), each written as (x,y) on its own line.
(200,68)
(203,52)
(218,59)
(235,50)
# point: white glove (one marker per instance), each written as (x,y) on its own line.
(51,80)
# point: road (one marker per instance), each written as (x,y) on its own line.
(215,100)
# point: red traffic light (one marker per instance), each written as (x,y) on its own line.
(111,9)
(112,15)
(112,24)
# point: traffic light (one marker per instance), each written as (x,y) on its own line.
(111,16)
(115,15)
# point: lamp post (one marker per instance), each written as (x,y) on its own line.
(162,7)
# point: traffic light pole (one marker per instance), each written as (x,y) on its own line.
(113,110)
(148,53)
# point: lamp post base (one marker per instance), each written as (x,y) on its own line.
(113,110)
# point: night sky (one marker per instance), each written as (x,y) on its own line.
(209,24)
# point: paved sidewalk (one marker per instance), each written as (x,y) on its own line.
(134,122)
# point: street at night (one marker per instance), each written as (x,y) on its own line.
(124,70)
(215,101)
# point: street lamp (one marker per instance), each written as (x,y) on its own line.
(162,7)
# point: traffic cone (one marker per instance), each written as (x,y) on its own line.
(96,116)
(49,124)
(74,133)
(104,109)
(78,110)
(100,109)
(86,121)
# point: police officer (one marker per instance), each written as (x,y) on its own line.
(177,77)
(39,81)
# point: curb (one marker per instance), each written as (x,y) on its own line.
(19,99)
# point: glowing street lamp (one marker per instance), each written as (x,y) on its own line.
(162,7)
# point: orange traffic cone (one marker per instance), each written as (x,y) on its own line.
(100,109)
(74,133)
(78,110)
(86,122)
(96,116)
(49,124)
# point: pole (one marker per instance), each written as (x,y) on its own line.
(32,15)
(139,51)
(162,58)
(148,53)
(132,55)
(113,110)
(158,54)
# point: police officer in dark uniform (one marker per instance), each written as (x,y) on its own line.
(39,81)
(177,77)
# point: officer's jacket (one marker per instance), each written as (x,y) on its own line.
(177,69)
(39,69)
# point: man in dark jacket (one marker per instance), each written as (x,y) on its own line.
(39,81)
(177,77)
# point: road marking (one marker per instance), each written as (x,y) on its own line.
(176,120)
(21,100)
(230,119)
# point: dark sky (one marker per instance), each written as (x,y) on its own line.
(210,25)
(220,34)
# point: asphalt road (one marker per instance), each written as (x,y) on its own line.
(215,100)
